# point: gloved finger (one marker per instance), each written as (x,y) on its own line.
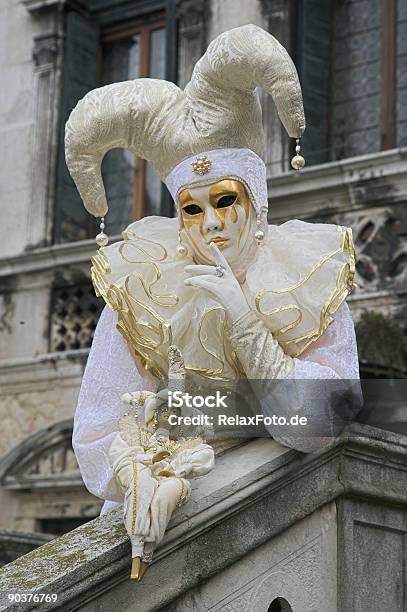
(219,257)
(150,409)
(198,280)
(198,270)
(201,283)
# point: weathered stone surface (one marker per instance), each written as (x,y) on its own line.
(372,556)
(16,122)
(36,393)
(259,493)
(298,564)
(14,544)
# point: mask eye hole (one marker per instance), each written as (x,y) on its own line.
(192,209)
(225,201)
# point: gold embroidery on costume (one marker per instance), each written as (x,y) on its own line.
(259,352)
(134,510)
(285,328)
(151,261)
(181,493)
(343,286)
(204,341)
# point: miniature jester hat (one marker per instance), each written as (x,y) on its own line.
(212,128)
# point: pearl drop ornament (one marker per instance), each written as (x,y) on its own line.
(181,250)
(259,235)
(298,162)
(102,239)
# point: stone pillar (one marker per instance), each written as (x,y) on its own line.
(228,14)
(47,56)
(276,19)
(192,16)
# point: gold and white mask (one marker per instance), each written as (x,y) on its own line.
(221,213)
(221,197)
(218,213)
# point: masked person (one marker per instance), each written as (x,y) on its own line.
(241,299)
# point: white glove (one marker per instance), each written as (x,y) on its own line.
(150,401)
(192,462)
(225,288)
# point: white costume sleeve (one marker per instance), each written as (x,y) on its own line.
(110,372)
(333,399)
(334,354)
(328,403)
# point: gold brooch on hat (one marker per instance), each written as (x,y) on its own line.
(201,165)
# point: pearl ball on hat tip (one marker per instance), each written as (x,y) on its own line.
(102,239)
(298,162)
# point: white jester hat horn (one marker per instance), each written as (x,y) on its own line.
(210,129)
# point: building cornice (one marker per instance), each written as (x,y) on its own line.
(24,374)
(326,189)
(34,6)
(336,187)
(46,258)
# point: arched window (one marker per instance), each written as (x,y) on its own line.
(279,604)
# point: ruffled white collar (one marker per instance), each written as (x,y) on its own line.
(302,274)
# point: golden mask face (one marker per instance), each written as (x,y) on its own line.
(216,213)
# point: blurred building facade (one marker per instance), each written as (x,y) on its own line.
(352,60)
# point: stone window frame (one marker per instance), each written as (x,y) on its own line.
(48,58)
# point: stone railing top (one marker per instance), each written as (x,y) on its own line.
(256,490)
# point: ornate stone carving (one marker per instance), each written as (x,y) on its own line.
(45,49)
(47,57)
(296,578)
(7,308)
(43,459)
(382,348)
(381,247)
(75,312)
